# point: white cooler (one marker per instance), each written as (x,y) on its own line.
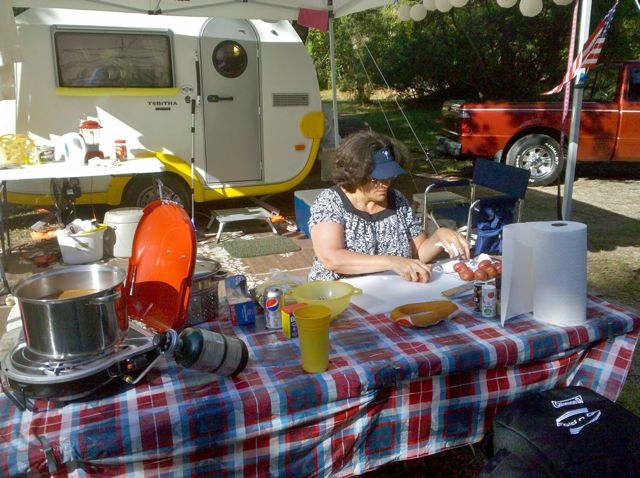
(121,227)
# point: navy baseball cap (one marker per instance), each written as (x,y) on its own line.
(385,165)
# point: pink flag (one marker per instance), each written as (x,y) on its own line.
(318,19)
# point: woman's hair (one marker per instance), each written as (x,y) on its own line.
(353,163)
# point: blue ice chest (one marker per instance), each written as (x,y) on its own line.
(302,201)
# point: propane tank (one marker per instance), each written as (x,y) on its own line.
(210,351)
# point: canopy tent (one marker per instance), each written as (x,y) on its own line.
(246,9)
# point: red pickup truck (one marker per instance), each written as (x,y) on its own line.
(527,134)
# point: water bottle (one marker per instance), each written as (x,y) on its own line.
(210,351)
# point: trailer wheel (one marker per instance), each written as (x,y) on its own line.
(540,154)
(144,188)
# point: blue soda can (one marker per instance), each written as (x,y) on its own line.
(273,298)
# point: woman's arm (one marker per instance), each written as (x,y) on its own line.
(430,247)
(329,247)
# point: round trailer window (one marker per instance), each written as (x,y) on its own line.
(229,59)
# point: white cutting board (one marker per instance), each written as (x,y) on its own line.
(382,292)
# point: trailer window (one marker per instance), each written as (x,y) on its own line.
(229,59)
(107,59)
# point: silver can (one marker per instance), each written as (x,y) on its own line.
(273,298)
(489,300)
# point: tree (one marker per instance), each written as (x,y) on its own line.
(477,51)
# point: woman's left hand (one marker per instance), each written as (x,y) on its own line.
(453,242)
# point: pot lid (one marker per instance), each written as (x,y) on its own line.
(90,124)
(161,267)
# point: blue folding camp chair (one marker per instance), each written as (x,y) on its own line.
(489,201)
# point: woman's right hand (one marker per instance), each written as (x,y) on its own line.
(412,270)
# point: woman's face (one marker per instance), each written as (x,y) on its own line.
(376,189)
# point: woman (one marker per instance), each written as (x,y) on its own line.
(362,225)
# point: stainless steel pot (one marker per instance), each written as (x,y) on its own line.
(73,311)
(203,299)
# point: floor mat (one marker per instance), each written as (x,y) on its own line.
(261,246)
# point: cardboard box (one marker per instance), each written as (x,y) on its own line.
(302,201)
(242,307)
(242,311)
(289,326)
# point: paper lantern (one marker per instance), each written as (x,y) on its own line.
(562,2)
(430,5)
(506,3)
(530,8)
(404,12)
(459,3)
(418,12)
(443,5)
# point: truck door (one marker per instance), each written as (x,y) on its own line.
(629,131)
(599,118)
(231,101)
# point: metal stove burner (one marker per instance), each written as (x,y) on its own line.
(27,375)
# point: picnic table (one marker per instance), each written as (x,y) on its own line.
(390,393)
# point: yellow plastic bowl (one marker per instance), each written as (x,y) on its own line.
(333,294)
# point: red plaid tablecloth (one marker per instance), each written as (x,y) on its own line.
(390,394)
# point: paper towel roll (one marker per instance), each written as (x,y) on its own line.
(546,271)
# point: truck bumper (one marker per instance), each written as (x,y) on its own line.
(447,146)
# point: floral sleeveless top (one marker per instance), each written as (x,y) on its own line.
(388,232)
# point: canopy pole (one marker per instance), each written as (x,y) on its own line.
(334,88)
(576,109)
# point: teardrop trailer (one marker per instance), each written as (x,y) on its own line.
(229,106)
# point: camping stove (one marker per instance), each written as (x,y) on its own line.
(27,376)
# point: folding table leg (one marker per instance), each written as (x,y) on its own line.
(220,228)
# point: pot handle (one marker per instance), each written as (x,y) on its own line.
(104,299)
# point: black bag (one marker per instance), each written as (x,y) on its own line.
(564,432)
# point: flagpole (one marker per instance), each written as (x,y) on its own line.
(576,109)
(334,86)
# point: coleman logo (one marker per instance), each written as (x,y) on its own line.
(576,420)
(577,400)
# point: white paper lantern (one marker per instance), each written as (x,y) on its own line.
(443,5)
(404,12)
(506,3)
(530,8)
(459,3)
(562,2)
(418,12)
(430,5)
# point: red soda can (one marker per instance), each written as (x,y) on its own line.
(121,149)
(489,300)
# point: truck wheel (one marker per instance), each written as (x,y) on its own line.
(540,154)
(144,188)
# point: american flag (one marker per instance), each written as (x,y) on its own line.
(588,56)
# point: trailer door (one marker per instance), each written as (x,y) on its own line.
(231,99)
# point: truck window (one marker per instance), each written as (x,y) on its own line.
(633,93)
(602,84)
(107,59)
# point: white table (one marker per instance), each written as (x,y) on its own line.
(65,170)
(96,167)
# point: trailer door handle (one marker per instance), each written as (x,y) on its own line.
(216,98)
